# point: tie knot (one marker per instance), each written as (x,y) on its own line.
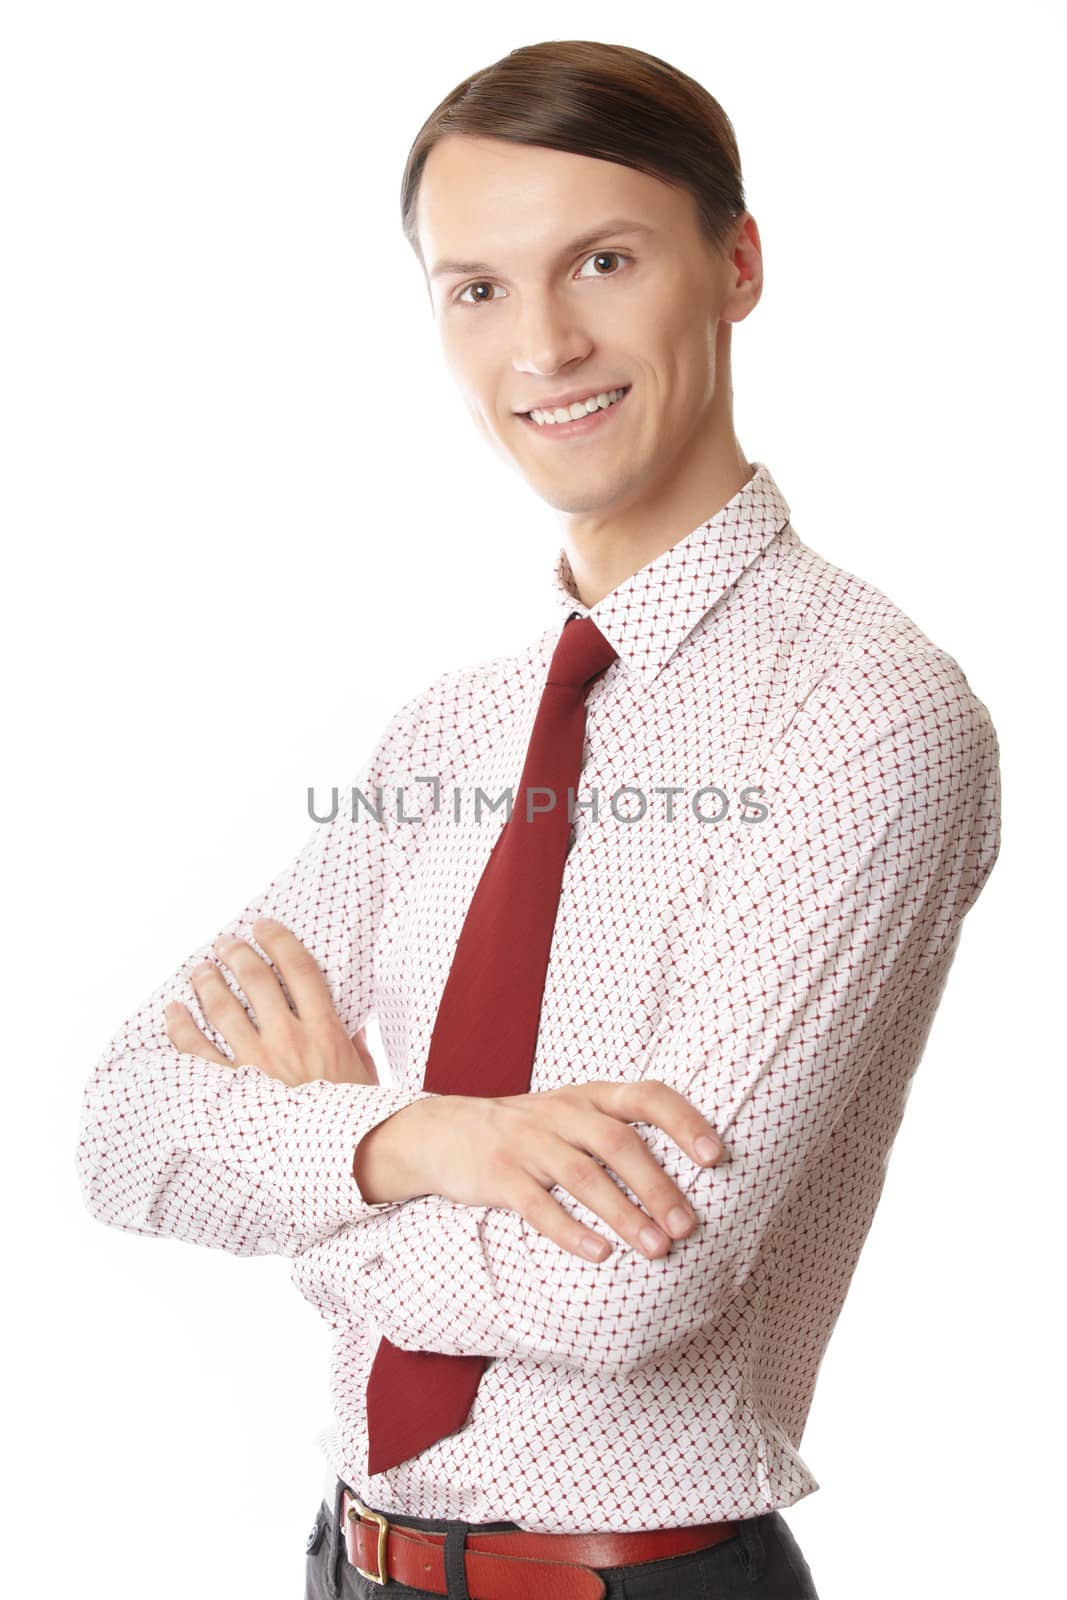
(581,653)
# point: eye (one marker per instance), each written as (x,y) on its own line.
(482,284)
(604,255)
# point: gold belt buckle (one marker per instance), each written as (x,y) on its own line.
(358,1509)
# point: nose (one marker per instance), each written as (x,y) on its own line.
(547,340)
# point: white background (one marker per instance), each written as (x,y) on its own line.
(247,517)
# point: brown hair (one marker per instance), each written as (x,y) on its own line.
(608,101)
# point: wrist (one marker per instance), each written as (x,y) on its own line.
(390,1162)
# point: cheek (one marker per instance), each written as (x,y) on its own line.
(457,349)
(687,371)
(482,415)
(474,372)
(674,337)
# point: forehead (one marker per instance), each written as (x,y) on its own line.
(489,201)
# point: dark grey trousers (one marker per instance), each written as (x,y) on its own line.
(762,1561)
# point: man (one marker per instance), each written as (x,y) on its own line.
(781,800)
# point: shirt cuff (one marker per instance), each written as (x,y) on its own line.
(302,1139)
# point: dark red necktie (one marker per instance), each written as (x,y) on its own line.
(485,1034)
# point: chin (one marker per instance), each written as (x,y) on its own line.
(576,499)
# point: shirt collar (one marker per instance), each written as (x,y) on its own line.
(649,615)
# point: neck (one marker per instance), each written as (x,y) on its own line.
(606,548)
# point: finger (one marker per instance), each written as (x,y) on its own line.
(225,1012)
(623,1149)
(259,981)
(584,1177)
(549,1218)
(303,976)
(652,1101)
(184,1035)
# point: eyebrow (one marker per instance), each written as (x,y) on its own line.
(442,269)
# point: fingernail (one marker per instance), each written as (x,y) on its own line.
(707,1149)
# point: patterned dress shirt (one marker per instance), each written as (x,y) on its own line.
(789,800)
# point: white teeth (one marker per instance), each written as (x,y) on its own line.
(580,408)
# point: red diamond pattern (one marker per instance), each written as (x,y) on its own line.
(782,972)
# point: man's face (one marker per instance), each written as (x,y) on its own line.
(531,317)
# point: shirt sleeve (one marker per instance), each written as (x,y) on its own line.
(835,922)
(232,1158)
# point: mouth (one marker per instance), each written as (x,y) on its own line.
(608,402)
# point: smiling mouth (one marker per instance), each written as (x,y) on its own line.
(550,418)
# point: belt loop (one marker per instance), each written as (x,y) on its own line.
(456,1560)
(753,1549)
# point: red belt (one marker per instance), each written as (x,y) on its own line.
(510,1565)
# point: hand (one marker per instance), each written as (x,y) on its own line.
(295,1045)
(510,1151)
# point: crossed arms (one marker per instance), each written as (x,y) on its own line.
(828,925)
